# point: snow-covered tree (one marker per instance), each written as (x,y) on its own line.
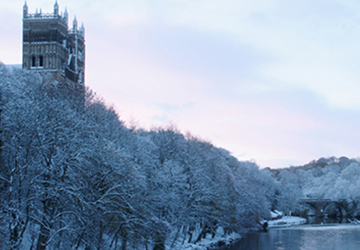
(72,176)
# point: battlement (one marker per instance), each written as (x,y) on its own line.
(45,16)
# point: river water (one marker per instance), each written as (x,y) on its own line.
(307,237)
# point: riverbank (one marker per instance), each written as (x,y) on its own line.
(286,221)
(221,240)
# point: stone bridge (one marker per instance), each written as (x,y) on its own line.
(320,205)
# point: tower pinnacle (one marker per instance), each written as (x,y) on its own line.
(82,30)
(66,16)
(25,9)
(75,24)
(56,8)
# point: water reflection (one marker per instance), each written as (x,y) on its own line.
(336,237)
(326,220)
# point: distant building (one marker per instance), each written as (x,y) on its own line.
(52,49)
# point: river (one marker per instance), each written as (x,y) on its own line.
(307,237)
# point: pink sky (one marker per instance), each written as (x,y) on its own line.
(272,81)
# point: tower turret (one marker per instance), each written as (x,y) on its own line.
(56,8)
(25,9)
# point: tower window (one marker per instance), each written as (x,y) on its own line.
(41,61)
(33,61)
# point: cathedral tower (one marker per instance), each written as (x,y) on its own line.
(52,49)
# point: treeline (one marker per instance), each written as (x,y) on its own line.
(325,178)
(72,176)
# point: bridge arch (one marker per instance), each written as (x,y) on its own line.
(320,205)
(312,207)
(339,206)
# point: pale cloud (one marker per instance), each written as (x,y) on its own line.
(314,44)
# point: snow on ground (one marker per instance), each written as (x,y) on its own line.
(286,221)
(208,242)
(276,214)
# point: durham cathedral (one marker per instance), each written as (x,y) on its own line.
(53,49)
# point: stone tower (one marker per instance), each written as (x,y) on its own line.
(52,49)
